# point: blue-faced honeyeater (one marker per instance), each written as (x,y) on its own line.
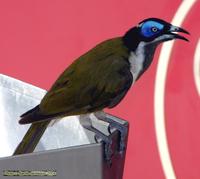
(99,79)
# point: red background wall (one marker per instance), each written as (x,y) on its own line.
(40,38)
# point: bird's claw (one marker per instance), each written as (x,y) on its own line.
(123,133)
(108,153)
(111,128)
(97,138)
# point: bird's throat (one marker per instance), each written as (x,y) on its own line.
(136,60)
(140,59)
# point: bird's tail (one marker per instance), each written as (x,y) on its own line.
(32,137)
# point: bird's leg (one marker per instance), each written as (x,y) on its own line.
(107,140)
(114,124)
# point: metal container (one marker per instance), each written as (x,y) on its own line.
(66,150)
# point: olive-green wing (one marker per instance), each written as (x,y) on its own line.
(96,80)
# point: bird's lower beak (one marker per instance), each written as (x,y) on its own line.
(178,29)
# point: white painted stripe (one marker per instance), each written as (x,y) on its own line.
(159,95)
(197,67)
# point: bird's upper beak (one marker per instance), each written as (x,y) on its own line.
(178,29)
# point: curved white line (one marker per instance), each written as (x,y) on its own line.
(197,67)
(159,111)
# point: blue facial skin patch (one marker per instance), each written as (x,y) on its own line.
(146,29)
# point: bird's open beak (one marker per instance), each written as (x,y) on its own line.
(178,29)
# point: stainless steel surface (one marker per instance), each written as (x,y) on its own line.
(69,163)
(80,162)
(76,155)
(17,97)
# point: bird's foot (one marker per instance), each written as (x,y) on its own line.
(114,124)
(106,140)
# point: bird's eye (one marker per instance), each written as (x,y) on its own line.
(154,29)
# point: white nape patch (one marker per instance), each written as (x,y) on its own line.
(136,60)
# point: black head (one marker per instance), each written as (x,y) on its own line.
(152,31)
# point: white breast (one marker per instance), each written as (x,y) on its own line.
(136,60)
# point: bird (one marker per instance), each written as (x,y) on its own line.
(99,79)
